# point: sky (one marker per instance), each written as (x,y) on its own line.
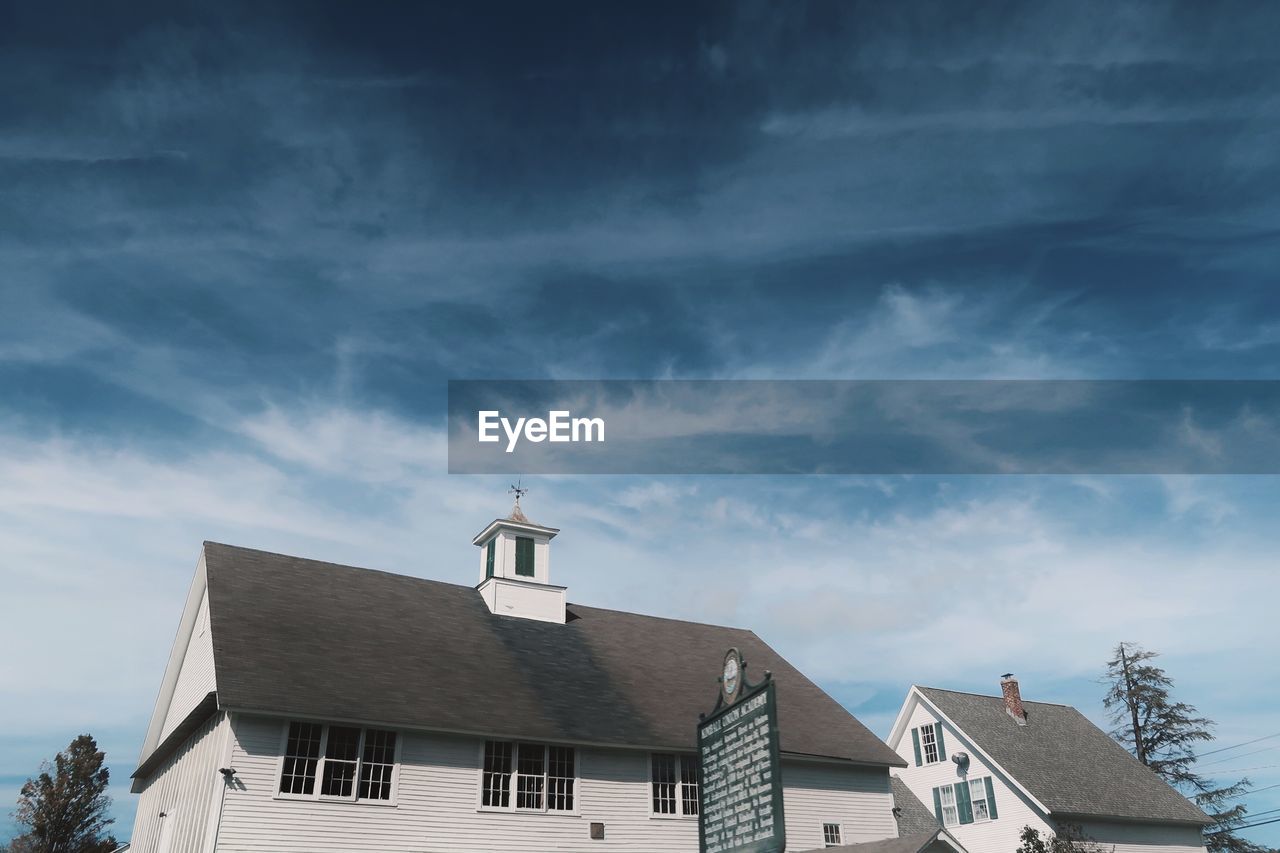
(244,246)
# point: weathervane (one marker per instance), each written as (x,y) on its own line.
(518,490)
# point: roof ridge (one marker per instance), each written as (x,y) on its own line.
(990,696)
(337,565)
(465,586)
(664,618)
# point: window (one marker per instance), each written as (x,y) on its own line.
(531,774)
(950,815)
(831,835)
(560,777)
(488,556)
(983,795)
(674,784)
(340,760)
(972,801)
(524,556)
(929,744)
(496,785)
(301,754)
(351,763)
(544,776)
(376,764)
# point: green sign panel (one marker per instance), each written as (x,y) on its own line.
(740,798)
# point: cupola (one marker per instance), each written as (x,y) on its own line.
(515,568)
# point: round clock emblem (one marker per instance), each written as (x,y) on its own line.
(731,674)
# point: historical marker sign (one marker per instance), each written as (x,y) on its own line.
(740,798)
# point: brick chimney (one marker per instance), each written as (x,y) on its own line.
(1012,698)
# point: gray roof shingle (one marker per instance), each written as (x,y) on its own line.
(297,636)
(1065,761)
(918,842)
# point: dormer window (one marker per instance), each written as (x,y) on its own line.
(524,556)
(489,552)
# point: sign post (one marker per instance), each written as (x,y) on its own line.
(740,795)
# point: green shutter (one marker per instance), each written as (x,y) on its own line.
(488,558)
(915,741)
(991,799)
(942,749)
(963,803)
(937,805)
(524,556)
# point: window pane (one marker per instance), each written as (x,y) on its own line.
(497,774)
(377,764)
(831,834)
(929,743)
(340,755)
(560,778)
(530,770)
(301,753)
(689,784)
(664,783)
(488,558)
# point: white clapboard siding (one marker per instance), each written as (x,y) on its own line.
(1013,808)
(195,678)
(1145,838)
(858,799)
(436,809)
(185,788)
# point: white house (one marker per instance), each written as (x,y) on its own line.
(991,765)
(308,706)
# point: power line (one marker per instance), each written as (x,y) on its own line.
(1243,769)
(1241,755)
(1237,746)
(1245,826)
(1251,791)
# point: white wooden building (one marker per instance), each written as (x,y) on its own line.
(991,765)
(308,706)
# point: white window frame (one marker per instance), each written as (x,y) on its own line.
(320,762)
(515,772)
(680,759)
(826,842)
(974,799)
(925,746)
(945,791)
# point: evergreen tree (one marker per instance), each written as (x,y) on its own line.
(65,807)
(1163,734)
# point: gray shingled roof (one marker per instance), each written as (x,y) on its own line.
(913,816)
(296,636)
(1065,761)
(917,842)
